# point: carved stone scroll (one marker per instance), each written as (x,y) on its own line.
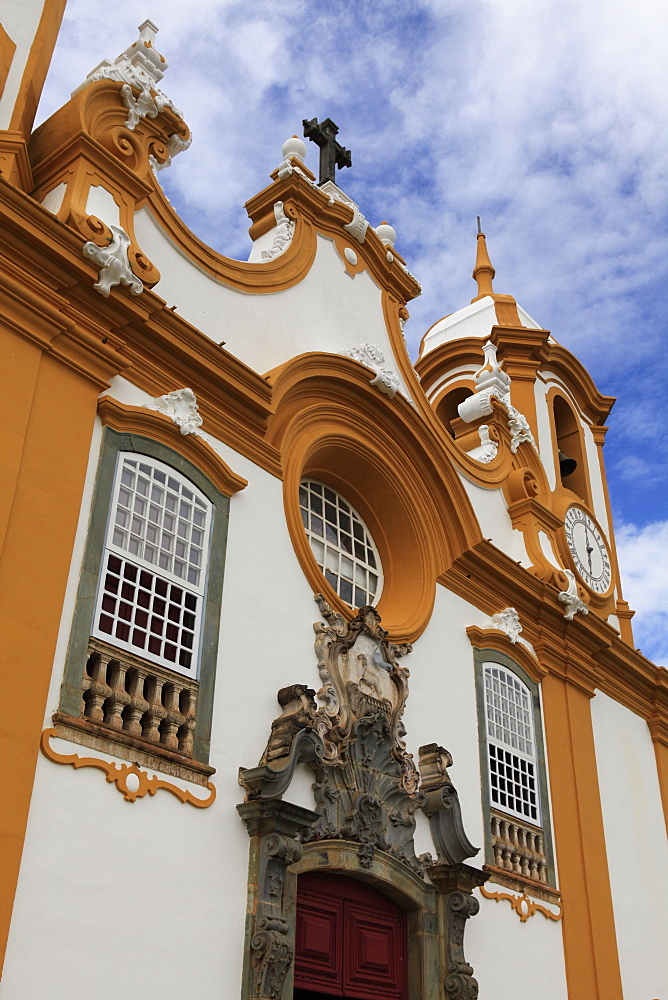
(441,806)
(457,883)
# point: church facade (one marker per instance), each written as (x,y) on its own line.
(322,682)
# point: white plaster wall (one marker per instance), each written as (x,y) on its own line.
(327,311)
(544,429)
(636,846)
(474,320)
(150,897)
(20,21)
(511,959)
(595,478)
(492,512)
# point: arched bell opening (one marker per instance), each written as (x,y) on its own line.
(447,408)
(570,459)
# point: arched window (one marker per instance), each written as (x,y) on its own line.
(513,777)
(151,591)
(140,667)
(570,459)
(514,782)
(341,543)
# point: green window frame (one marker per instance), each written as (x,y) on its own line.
(114,442)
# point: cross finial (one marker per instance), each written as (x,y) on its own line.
(332,154)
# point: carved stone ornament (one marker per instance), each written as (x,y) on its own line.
(285,229)
(571,599)
(366,784)
(175,144)
(140,68)
(508,621)
(357,226)
(491,382)
(487,450)
(457,882)
(181,407)
(372,357)
(113,263)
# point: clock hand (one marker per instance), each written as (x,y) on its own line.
(590,549)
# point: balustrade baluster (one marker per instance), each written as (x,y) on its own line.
(98,689)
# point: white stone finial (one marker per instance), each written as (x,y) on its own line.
(113,263)
(294,148)
(386,234)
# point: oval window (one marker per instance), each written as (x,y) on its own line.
(341,543)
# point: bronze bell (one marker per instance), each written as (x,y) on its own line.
(567,466)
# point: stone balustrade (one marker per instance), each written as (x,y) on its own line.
(518,847)
(129,695)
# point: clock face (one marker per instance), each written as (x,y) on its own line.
(588,549)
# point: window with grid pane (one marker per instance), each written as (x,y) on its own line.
(151,590)
(513,779)
(341,543)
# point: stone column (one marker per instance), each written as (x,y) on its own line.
(456,883)
(272,825)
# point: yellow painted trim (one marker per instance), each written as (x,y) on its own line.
(7,50)
(522,905)
(590,943)
(118,774)
(159,427)
(37,65)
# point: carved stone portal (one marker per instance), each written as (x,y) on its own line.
(367,790)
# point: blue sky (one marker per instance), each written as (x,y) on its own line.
(545,117)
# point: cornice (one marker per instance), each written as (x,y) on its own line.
(575,377)
(586,652)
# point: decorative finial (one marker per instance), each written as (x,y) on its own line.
(386,233)
(479,226)
(332,154)
(483,272)
(294,147)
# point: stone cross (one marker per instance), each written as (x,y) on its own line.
(332,154)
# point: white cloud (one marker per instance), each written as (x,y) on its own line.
(644,569)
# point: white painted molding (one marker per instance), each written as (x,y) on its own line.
(140,67)
(285,229)
(113,263)
(175,145)
(373,358)
(491,382)
(357,226)
(508,622)
(181,407)
(488,449)
(570,598)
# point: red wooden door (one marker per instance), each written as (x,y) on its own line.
(351,941)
